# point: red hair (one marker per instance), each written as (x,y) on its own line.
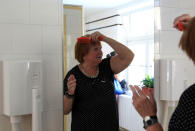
(187,41)
(82,49)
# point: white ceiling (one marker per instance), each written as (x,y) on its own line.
(91,6)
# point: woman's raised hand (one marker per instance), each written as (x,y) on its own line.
(71,84)
(184,19)
(96,36)
(145,106)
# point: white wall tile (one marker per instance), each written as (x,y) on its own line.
(189,4)
(60,12)
(167,17)
(52,40)
(169,14)
(156,42)
(13,56)
(50,67)
(60,96)
(44,12)
(22,36)
(52,120)
(52,96)
(6,38)
(27,39)
(169,41)
(61,121)
(12,11)
(191,12)
(169,3)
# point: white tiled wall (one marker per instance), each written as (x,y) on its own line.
(167,38)
(32,29)
(12,11)
(44,12)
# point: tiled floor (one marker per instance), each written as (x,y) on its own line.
(122,129)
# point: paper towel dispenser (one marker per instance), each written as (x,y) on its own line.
(19,77)
(175,76)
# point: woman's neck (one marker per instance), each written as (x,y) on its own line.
(89,70)
(89,66)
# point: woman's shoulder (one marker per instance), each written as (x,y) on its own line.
(73,71)
(188,97)
(75,68)
(105,65)
(189,92)
(105,61)
(183,116)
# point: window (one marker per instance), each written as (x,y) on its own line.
(139,36)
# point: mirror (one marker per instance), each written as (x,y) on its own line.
(129,22)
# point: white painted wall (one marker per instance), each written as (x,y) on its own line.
(32,29)
(73,31)
(167,39)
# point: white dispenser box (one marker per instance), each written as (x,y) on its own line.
(19,77)
(175,76)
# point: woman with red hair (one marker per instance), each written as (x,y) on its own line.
(183,118)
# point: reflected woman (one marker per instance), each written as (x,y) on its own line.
(88,87)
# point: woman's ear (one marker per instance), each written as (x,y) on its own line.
(84,58)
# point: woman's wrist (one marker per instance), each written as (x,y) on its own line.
(155,127)
(69,95)
(105,39)
(149,121)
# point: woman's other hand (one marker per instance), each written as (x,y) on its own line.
(71,84)
(184,19)
(145,105)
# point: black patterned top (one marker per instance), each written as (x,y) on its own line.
(94,107)
(183,119)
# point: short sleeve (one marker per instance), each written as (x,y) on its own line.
(65,82)
(105,67)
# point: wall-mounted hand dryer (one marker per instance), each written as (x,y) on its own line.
(175,76)
(19,77)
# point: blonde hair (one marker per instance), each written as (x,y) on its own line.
(187,41)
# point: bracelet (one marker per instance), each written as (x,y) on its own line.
(149,120)
(68,95)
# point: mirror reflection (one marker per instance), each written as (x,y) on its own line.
(124,57)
